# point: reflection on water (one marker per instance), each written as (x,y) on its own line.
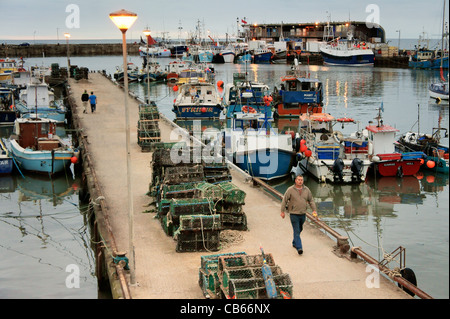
(42,233)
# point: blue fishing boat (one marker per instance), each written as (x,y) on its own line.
(245,96)
(36,148)
(6,161)
(257,148)
(260,51)
(197,100)
(298,94)
(37,100)
(427,59)
(347,52)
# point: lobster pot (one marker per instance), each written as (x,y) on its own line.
(255,288)
(234,221)
(148,111)
(191,241)
(181,191)
(191,206)
(210,191)
(216,170)
(231,262)
(146,138)
(199,222)
(208,277)
(223,207)
(167,224)
(183,174)
(232,194)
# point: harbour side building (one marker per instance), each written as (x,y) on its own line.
(305,36)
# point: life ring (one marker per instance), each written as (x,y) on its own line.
(248,109)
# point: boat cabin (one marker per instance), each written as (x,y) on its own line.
(36,134)
(382,137)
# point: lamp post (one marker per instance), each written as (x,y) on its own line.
(147,33)
(398,40)
(123,20)
(67,36)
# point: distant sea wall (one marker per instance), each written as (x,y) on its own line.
(50,50)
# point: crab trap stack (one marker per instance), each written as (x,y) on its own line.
(148,132)
(239,276)
(195,200)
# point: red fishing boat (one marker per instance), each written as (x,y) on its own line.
(386,161)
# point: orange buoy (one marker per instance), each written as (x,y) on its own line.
(308,153)
(175,88)
(220,84)
(303,148)
(431,164)
(73,159)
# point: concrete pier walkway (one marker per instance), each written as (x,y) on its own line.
(160,271)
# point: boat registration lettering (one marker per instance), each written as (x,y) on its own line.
(197,109)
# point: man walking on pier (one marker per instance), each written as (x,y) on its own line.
(295,202)
(93,100)
(85,99)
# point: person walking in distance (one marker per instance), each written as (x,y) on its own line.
(295,202)
(93,101)
(85,99)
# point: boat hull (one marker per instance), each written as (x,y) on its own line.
(266,164)
(262,57)
(322,171)
(397,167)
(50,162)
(434,64)
(196,111)
(348,58)
(6,165)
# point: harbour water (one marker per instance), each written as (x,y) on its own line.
(44,234)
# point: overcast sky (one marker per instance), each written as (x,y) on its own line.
(88,19)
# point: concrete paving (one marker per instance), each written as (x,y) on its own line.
(160,271)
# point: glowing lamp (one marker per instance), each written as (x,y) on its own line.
(123,19)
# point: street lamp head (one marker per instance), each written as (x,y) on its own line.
(147,32)
(123,19)
(67,35)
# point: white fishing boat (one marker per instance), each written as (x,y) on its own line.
(326,154)
(38,100)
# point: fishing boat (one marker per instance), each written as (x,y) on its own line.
(8,112)
(386,161)
(436,154)
(8,67)
(260,51)
(6,161)
(36,148)
(197,100)
(326,154)
(154,72)
(299,94)
(347,52)
(134,74)
(174,69)
(255,147)
(439,91)
(243,93)
(38,100)
(155,51)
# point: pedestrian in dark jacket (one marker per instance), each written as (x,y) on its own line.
(85,100)
(295,202)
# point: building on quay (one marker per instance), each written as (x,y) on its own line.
(307,36)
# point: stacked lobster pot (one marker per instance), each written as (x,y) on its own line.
(148,132)
(240,276)
(192,210)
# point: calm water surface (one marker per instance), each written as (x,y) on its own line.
(42,231)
